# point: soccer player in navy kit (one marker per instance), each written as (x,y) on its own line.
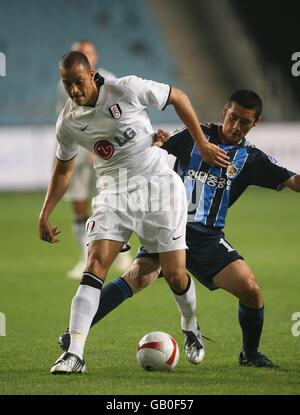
(210,191)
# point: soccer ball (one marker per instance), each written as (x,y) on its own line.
(157,351)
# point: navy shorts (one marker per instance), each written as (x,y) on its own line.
(208,253)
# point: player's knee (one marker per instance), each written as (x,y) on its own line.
(140,276)
(177,280)
(252,287)
(251,293)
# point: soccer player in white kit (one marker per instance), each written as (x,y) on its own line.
(110,119)
(83,183)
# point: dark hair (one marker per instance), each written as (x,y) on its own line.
(70,58)
(247,99)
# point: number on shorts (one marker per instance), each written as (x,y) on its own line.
(226,244)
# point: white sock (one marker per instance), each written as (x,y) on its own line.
(83,309)
(77,343)
(187,307)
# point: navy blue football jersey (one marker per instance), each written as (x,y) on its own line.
(210,190)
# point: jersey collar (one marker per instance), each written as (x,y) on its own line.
(99,82)
(98,79)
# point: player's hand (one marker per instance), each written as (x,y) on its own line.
(161,136)
(47,232)
(214,155)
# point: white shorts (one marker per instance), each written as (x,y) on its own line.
(83,182)
(156,211)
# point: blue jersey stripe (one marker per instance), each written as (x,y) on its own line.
(195,187)
(238,161)
(220,219)
(207,187)
(208,196)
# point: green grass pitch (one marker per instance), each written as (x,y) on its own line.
(35,298)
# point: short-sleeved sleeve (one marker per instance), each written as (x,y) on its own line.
(66,148)
(263,170)
(149,93)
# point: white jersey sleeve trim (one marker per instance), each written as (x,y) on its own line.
(66,148)
(164,107)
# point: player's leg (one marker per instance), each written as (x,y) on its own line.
(183,288)
(215,263)
(80,217)
(143,272)
(101,254)
(123,260)
(78,194)
(238,279)
(173,269)
(163,231)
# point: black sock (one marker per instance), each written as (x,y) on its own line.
(112,295)
(251,321)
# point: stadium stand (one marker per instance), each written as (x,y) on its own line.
(224,46)
(207,48)
(34,39)
(276,37)
(211,48)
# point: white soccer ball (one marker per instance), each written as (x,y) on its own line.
(157,351)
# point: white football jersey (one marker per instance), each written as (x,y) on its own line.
(117,130)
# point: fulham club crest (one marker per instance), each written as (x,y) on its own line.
(90,226)
(115,111)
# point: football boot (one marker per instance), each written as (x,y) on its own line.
(255,359)
(194,345)
(68,363)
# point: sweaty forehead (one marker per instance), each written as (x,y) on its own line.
(76,70)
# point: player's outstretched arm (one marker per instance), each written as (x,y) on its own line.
(294,183)
(59,182)
(210,153)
